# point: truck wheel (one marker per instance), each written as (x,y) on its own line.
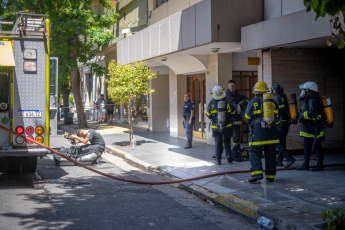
(29,164)
(14,165)
(3,164)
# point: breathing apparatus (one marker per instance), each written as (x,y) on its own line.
(293,107)
(328,111)
(218,94)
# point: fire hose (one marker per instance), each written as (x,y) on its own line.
(145,182)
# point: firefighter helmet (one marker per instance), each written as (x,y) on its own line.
(260,87)
(310,86)
(218,93)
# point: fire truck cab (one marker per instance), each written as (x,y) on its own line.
(24,92)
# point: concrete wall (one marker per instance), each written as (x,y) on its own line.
(177,87)
(292,67)
(228,16)
(159,106)
(167,9)
(240,61)
(277,8)
(292,28)
(131,14)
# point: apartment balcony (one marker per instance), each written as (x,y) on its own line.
(193,31)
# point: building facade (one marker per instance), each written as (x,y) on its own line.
(194,44)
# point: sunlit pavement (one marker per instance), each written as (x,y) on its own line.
(295,200)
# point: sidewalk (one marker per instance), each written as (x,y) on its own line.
(294,201)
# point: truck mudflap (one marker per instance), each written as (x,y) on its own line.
(23,152)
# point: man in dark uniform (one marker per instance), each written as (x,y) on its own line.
(239,101)
(310,117)
(221,121)
(188,119)
(284,124)
(263,135)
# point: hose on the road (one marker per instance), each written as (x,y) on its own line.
(145,182)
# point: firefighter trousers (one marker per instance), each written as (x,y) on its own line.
(219,138)
(283,152)
(255,155)
(236,141)
(308,144)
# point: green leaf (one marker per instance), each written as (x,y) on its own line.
(341,44)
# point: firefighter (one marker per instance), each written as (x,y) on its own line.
(188,119)
(239,101)
(284,124)
(310,117)
(263,133)
(219,111)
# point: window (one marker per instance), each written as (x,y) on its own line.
(160,2)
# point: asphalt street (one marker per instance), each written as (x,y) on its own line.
(70,197)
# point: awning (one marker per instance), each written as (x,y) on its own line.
(6,54)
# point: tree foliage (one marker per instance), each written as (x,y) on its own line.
(128,80)
(75,29)
(334,8)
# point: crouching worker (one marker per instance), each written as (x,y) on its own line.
(96,146)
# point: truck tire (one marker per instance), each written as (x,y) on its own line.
(3,164)
(29,164)
(14,165)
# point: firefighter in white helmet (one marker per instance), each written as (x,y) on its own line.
(310,117)
(263,133)
(220,112)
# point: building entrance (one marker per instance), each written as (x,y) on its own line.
(245,81)
(196,87)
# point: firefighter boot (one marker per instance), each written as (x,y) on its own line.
(255,178)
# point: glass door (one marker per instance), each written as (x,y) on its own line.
(196,88)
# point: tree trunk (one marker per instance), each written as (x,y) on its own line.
(65,97)
(75,83)
(130,122)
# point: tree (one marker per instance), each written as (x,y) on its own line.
(127,81)
(334,8)
(75,30)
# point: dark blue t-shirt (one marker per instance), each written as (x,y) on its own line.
(187,108)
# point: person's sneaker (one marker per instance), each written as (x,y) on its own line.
(229,160)
(188,146)
(318,168)
(214,156)
(219,163)
(289,163)
(270,179)
(255,179)
(302,168)
(279,163)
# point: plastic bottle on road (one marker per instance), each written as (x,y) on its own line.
(265,223)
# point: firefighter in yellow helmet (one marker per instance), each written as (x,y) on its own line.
(262,115)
